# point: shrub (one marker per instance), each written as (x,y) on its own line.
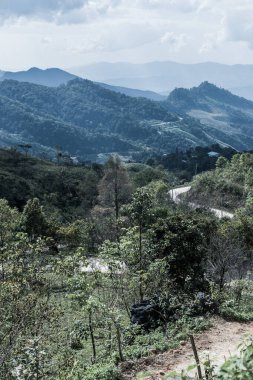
(239,368)
(98,371)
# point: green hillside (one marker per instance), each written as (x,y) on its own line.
(219,110)
(67,191)
(87,120)
(229,186)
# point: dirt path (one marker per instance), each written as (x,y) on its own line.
(219,342)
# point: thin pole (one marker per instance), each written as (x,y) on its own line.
(194,349)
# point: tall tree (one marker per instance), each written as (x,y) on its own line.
(9,220)
(139,211)
(115,187)
(33,218)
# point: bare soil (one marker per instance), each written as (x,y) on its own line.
(219,343)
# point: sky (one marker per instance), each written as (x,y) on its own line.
(71,33)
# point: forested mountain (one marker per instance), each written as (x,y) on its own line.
(134,92)
(186,164)
(68,191)
(203,95)
(230,115)
(87,120)
(52,77)
(165,76)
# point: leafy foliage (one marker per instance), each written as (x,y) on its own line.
(60,188)
(228,186)
(70,276)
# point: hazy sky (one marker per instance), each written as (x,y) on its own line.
(68,33)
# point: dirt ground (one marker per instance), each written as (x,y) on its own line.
(219,342)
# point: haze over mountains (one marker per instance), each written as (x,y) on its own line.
(163,77)
(88,120)
(54,77)
(153,80)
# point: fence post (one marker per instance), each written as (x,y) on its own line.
(194,349)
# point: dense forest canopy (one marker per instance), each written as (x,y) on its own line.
(92,122)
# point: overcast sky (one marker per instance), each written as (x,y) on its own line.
(69,33)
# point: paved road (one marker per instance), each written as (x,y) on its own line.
(175,195)
(96,264)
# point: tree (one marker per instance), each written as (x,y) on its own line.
(9,221)
(225,257)
(25,148)
(33,219)
(149,174)
(222,162)
(58,153)
(114,188)
(26,312)
(180,240)
(139,212)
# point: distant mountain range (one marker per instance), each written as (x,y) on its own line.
(163,77)
(54,77)
(153,81)
(90,121)
(134,92)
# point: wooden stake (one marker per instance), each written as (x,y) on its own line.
(194,349)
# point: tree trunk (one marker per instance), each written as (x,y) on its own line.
(116,195)
(92,338)
(141,264)
(119,342)
(221,284)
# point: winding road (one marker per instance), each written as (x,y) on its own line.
(175,196)
(97,264)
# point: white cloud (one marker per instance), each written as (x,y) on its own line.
(214,40)
(174,41)
(184,6)
(58,11)
(114,37)
(239,25)
(37,7)
(72,32)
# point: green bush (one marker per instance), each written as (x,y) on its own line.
(236,313)
(237,304)
(98,371)
(239,368)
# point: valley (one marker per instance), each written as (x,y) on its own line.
(126,190)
